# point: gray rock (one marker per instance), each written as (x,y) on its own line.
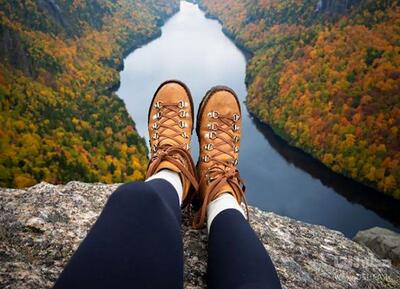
(40,228)
(383,242)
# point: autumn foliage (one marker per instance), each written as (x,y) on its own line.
(59,64)
(326,80)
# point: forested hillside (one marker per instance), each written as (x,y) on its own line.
(326,76)
(59,62)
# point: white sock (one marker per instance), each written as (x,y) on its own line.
(223,202)
(171,177)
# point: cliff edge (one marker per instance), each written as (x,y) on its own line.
(41,226)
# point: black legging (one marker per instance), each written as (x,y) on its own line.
(136,243)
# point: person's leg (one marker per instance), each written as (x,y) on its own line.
(236,257)
(135,243)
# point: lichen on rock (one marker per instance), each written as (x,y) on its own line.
(41,227)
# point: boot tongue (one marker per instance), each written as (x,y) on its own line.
(226,147)
(226,158)
(168,141)
(226,188)
(169,132)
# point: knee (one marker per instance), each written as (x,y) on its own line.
(134,192)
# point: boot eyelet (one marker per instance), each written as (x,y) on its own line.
(236,117)
(206,158)
(213,114)
(212,126)
(155,135)
(157,115)
(183,114)
(210,179)
(236,139)
(236,149)
(158,105)
(235,162)
(209,147)
(155,126)
(184,135)
(235,127)
(181,104)
(187,147)
(182,124)
(154,148)
(211,135)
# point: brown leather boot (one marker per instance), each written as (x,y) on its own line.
(170,124)
(218,129)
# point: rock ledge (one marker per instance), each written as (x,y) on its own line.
(42,226)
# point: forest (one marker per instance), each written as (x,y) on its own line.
(60,119)
(325,75)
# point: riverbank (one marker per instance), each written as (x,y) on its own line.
(353,191)
(248,53)
(135,43)
(43,225)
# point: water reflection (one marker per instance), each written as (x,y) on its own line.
(354,192)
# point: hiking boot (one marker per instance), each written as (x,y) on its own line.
(170,125)
(219,130)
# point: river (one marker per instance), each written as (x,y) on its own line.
(279,178)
